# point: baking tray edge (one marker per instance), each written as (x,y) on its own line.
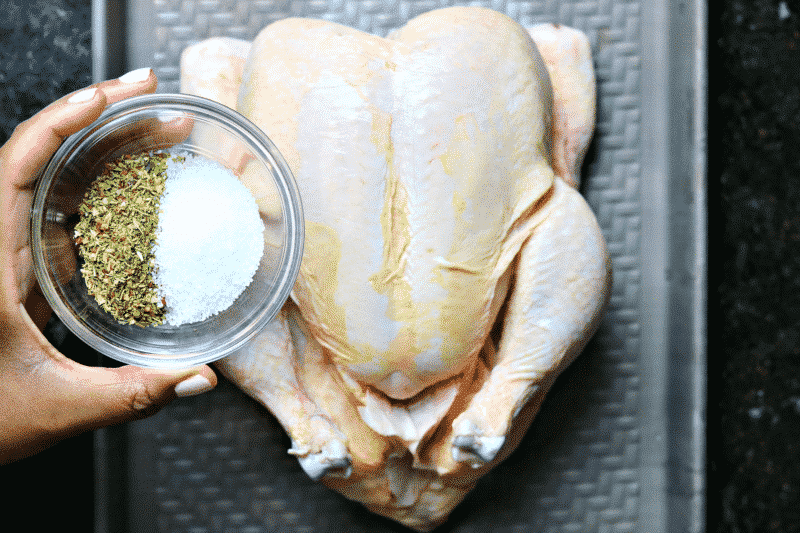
(674,278)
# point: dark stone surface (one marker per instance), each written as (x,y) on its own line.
(754,305)
(45,53)
(754,360)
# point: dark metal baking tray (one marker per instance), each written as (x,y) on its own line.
(619,444)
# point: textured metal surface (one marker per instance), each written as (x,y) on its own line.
(594,460)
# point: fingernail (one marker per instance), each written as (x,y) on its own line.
(135,76)
(82,96)
(166,118)
(193,386)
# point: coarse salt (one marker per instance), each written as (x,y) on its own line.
(209,241)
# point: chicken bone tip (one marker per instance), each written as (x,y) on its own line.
(332,461)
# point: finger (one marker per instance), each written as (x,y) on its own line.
(96,397)
(134,83)
(47,129)
(142,135)
(82,398)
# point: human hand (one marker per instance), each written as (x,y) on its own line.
(46,396)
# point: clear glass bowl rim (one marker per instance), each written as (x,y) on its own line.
(261,144)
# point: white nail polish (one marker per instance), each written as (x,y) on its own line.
(135,76)
(82,96)
(166,118)
(192,386)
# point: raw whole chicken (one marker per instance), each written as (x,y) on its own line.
(451,269)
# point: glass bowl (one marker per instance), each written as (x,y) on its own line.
(171,122)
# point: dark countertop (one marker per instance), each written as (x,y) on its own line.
(754,295)
(45,53)
(754,356)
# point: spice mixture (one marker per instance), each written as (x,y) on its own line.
(168,239)
(115,235)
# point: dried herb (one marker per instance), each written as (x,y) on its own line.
(116,234)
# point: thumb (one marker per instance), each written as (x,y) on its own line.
(97,397)
(54,398)
(48,397)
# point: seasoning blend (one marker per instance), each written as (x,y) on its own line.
(168,239)
(115,234)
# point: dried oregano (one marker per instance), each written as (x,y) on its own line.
(116,234)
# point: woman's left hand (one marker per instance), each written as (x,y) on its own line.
(44,395)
